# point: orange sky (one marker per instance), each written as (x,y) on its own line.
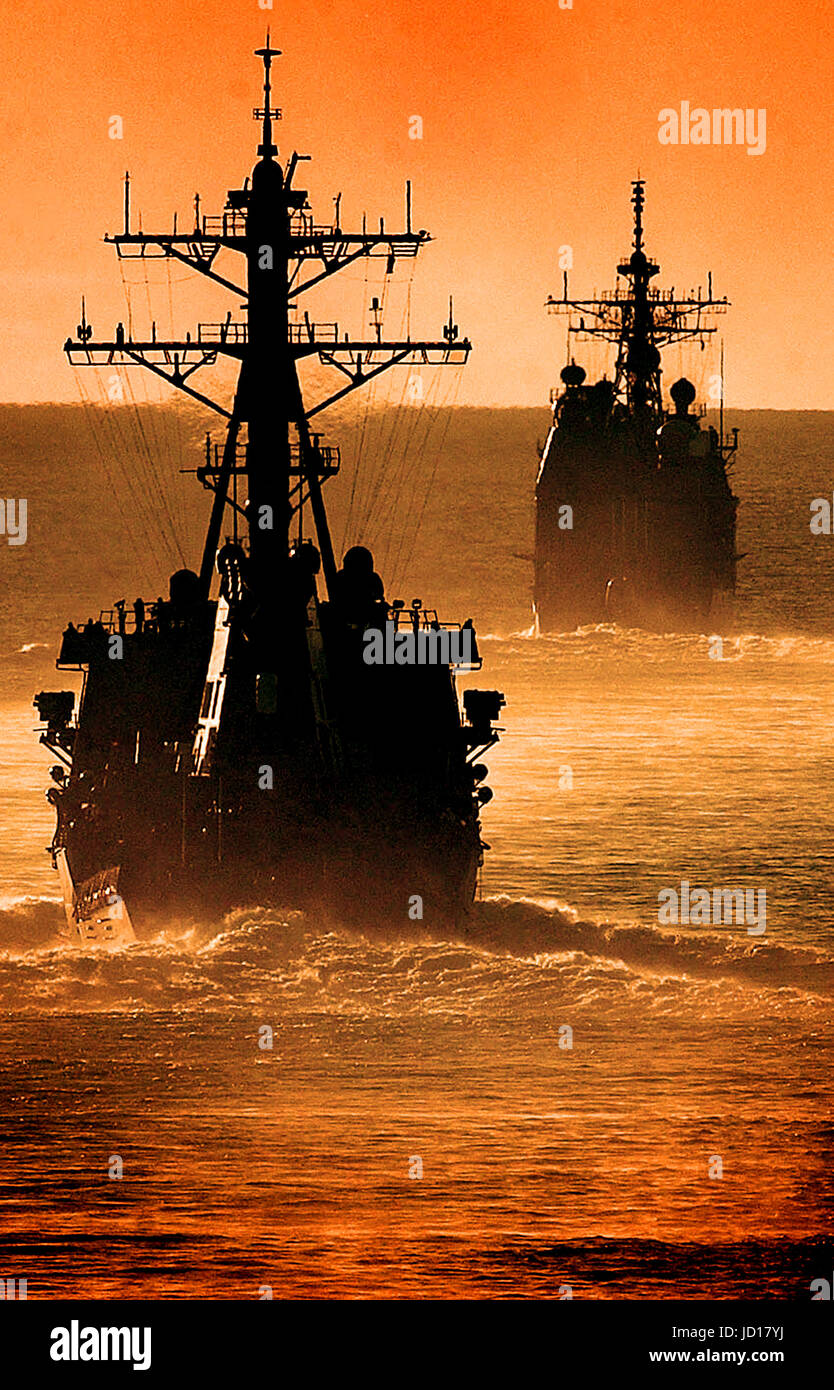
(535,119)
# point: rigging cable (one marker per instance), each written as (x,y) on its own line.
(385,478)
(449,407)
(392,498)
(177,417)
(415,418)
(361,447)
(155,413)
(115,421)
(146,452)
(89,413)
(368,484)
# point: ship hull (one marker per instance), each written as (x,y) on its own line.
(350,871)
(199,785)
(618,540)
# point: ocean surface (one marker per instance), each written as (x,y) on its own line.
(569,1098)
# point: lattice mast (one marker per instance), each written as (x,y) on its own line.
(268,221)
(639,320)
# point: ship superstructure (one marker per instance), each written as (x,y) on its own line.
(635,515)
(232,743)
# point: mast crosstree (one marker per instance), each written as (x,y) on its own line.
(270,223)
(641,321)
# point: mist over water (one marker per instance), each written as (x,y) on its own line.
(631,762)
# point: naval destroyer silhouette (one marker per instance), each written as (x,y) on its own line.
(635,515)
(232,744)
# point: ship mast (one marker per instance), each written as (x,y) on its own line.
(269,222)
(638,358)
(268,372)
(640,321)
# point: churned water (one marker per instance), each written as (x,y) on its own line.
(572,1095)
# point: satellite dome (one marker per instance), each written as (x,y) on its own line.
(572,375)
(683,394)
(184,587)
(358,560)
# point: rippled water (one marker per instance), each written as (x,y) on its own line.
(543,1165)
